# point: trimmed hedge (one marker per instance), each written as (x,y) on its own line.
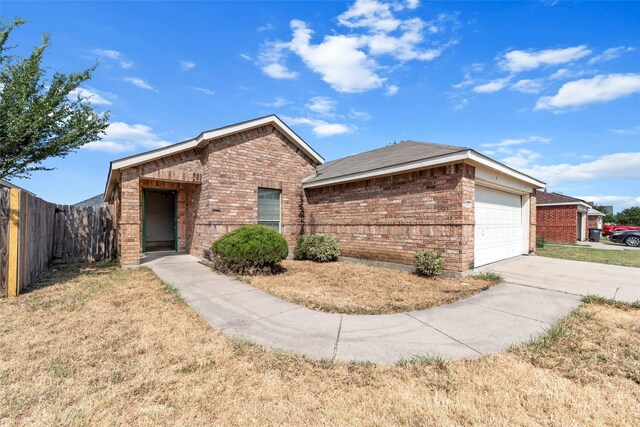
(250,249)
(429,263)
(317,247)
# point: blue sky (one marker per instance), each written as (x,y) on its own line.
(551,88)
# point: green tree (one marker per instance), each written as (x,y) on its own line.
(629,216)
(39,116)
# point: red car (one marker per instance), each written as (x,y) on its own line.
(611,227)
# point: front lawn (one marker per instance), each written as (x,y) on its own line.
(629,258)
(346,287)
(98,345)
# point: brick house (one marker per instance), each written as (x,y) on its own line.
(595,219)
(562,219)
(383,205)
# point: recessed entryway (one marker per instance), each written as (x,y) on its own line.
(159,220)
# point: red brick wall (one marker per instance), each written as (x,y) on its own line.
(533,220)
(592,222)
(557,224)
(233,169)
(391,218)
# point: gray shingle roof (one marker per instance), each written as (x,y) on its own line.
(392,155)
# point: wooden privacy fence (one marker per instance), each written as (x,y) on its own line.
(35,233)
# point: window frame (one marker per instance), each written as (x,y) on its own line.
(279,191)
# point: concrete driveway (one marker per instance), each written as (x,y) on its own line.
(491,321)
(571,277)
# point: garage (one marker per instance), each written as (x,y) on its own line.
(498,230)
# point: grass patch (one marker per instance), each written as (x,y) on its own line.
(489,276)
(628,258)
(351,288)
(129,355)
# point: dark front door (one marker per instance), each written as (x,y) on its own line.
(159,220)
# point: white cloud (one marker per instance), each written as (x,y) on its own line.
(610,54)
(320,128)
(361,115)
(277,102)
(611,166)
(523,60)
(412,4)
(187,65)
(566,73)
(492,86)
(518,141)
(630,131)
(370,14)
(338,59)
(91,95)
(522,158)
(114,54)
(279,71)
(619,202)
(143,84)
(391,90)
(349,62)
(121,137)
(266,27)
(204,90)
(271,60)
(322,105)
(527,86)
(245,57)
(601,88)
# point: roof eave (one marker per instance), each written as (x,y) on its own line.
(467,155)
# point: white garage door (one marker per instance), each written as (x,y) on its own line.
(498,233)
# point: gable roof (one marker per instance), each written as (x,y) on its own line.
(593,212)
(403,157)
(203,139)
(95,201)
(544,198)
(391,155)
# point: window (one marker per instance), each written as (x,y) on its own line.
(269,208)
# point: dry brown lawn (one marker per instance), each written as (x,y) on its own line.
(97,345)
(346,287)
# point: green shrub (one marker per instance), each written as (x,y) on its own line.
(539,242)
(489,276)
(317,247)
(429,263)
(251,249)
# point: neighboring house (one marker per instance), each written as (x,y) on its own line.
(384,205)
(561,219)
(7,184)
(595,219)
(95,201)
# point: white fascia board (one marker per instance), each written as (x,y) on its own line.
(499,167)
(469,156)
(153,155)
(564,204)
(392,170)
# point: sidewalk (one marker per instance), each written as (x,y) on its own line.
(491,321)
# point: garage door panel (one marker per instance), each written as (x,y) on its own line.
(498,230)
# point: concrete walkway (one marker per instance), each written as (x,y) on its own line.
(488,322)
(571,277)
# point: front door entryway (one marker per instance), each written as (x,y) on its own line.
(159,220)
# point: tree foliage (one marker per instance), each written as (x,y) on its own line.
(39,117)
(629,216)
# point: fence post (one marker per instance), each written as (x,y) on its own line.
(14,229)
